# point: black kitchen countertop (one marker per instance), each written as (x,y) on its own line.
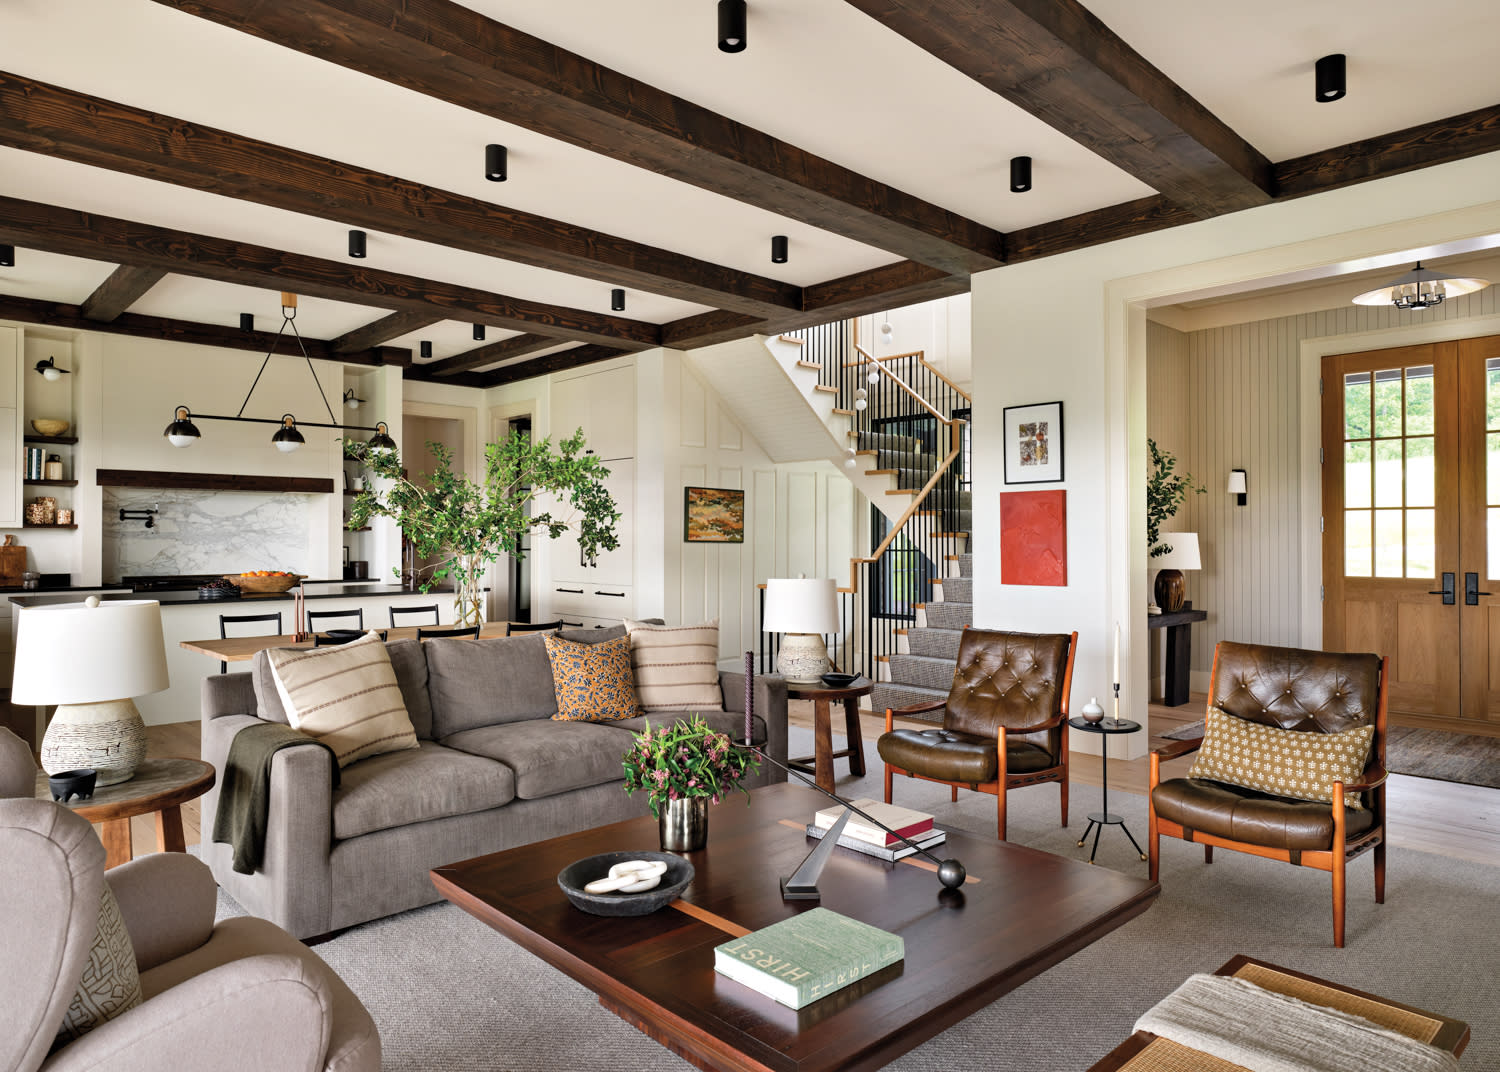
(48,597)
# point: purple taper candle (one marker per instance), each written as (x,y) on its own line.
(749,692)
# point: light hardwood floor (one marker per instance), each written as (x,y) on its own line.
(1439,817)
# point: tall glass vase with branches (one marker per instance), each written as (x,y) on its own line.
(466,525)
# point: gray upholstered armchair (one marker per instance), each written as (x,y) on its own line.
(242,994)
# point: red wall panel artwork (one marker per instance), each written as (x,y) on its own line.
(1034,538)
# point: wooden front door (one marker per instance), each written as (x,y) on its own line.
(1411,508)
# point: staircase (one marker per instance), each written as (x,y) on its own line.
(921,669)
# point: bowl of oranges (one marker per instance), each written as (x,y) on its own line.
(265,580)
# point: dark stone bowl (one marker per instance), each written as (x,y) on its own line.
(580,873)
(839,681)
(74,783)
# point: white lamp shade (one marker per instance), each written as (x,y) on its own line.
(1184,552)
(1237,482)
(801,605)
(71,653)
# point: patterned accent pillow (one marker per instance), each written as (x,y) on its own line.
(676,666)
(1288,763)
(345,696)
(110,984)
(594,682)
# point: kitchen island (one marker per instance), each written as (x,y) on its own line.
(185,616)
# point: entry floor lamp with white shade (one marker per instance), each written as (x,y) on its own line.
(802,609)
(91,659)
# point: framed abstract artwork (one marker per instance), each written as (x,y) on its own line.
(1034,443)
(1034,538)
(713,515)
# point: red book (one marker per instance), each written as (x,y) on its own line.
(907,822)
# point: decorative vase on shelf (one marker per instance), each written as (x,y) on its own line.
(1092,712)
(684,824)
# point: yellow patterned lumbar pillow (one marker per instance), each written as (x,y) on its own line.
(1287,763)
(594,682)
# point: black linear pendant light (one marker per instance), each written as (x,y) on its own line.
(1330,78)
(1020,174)
(732,17)
(496,164)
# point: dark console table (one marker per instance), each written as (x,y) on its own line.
(1179,640)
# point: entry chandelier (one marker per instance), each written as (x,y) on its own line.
(1421,288)
(182,432)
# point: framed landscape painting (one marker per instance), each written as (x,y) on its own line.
(713,515)
(1034,443)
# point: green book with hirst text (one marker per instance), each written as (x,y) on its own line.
(808,956)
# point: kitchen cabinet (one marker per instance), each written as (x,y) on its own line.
(10,428)
(603,405)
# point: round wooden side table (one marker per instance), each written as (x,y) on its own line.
(820,764)
(1106,728)
(158,785)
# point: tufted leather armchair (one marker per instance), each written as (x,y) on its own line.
(1290,689)
(1003,720)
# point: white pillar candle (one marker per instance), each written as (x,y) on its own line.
(1117,653)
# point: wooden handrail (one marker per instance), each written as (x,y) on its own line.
(956,388)
(899,382)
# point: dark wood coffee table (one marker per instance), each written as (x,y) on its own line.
(1021,912)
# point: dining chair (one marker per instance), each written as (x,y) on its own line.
(314,616)
(240,619)
(513,628)
(466,631)
(432,610)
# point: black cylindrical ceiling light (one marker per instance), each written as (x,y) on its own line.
(357,244)
(1331,85)
(7,256)
(495,163)
(426,349)
(617,300)
(247,321)
(479,333)
(1020,174)
(778,249)
(731,25)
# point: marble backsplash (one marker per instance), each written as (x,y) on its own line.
(206,532)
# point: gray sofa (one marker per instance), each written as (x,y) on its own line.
(493,771)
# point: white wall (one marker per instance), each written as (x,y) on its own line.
(940,328)
(1074,327)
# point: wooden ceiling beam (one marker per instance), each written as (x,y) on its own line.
(378,332)
(125,286)
(488,354)
(44,118)
(451,52)
(1062,64)
(541,366)
(165,329)
(80,234)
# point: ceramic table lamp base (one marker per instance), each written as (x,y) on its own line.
(1170,590)
(109,737)
(803,659)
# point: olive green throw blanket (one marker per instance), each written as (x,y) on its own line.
(245,789)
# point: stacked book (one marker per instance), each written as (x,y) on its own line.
(36,459)
(864,836)
(808,956)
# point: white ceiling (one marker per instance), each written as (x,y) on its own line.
(818,74)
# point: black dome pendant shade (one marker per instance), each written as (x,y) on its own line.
(732,17)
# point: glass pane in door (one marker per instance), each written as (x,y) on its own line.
(1389,464)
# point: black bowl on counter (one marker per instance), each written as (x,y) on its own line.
(220,589)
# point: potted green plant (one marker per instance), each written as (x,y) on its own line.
(1166,490)
(466,525)
(683,768)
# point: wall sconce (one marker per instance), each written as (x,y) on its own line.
(50,371)
(1237,485)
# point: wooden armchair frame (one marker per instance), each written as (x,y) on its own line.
(1334,859)
(1004,781)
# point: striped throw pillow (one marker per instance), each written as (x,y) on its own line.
(676,666)
(346,696)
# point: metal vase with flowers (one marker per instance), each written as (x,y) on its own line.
(683,768)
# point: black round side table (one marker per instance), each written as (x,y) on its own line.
(1106,728)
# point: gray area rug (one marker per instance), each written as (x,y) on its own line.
(1447,757)
(448,993)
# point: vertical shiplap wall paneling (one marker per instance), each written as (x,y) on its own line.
(1229,396)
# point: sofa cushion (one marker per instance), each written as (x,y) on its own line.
(407,660)
(590,634)
(1302,764)
(594,682)
(730,722)
(549,757)
(951,756)
(476,683)
(676,666)
(346,697)
(428,782)
(1228,811)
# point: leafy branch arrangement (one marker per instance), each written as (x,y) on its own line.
(467,525)
(1165,493)
(686,759)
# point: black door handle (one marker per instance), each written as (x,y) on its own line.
(1450,597)
(1471,589)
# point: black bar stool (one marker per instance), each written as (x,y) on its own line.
(467,631)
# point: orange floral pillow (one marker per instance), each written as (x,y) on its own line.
(594,682)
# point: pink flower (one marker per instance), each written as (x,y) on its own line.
(672,794)
(692,782)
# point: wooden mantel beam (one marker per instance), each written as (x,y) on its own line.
(81,234)
(44,118)
(454,53)
(1062,64)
